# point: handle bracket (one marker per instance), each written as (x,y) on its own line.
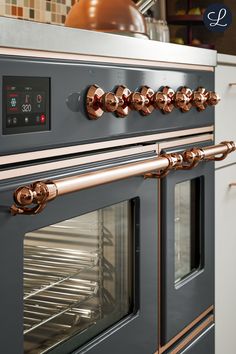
(175,161)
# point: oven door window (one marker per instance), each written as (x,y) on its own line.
(187,229)
(77,273)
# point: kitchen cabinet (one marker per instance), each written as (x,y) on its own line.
(225,200)
(225,86)
(225,260)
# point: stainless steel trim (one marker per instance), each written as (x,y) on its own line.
(144,5)
(50,38)
(49,166)
(101,59)
(186,141)
(43,154)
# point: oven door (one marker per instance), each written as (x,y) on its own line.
(187,242)
(81,275)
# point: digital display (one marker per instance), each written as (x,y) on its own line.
(26,104)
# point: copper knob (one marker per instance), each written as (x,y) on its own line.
(183,99)
(123,93)
(212,98)
(109,102)
(163,99)
(199,98)
(98,102)
(137,101)
(148,93)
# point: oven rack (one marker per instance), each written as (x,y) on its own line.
(58,332)
(46,267)
(57,301)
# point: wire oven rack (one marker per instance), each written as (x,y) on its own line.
(52,287)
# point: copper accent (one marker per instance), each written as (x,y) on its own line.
(195,333)
(186,141)
(186,329)
(123,93)
(31,53)
(183,98)
(163,99)
(129,101)
(193,156)
(43,154)
(175,161)
(199,98)
(98,102)
(117,16)
(40,192)
(137,101)
(212,98)
(78,161)
(37,194)
(148,93)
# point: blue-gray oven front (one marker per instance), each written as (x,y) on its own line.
(81,276)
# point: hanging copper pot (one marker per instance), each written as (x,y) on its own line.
(113,16)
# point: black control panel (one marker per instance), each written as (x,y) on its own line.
(26,104)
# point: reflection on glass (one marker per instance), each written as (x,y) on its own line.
(187,231)
(77,273)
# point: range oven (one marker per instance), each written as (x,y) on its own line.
(107,239)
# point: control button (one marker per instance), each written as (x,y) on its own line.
(9,121)
(37,119)
(73,101)
(13,102)
(39,98)
(14,120)
(26,120)
(42,118)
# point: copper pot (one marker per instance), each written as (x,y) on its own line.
(113,16)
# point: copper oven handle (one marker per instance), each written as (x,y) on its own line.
(33,198)
(209,153)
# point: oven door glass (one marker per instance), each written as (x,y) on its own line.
(76,273)
(187,228)
(187,241)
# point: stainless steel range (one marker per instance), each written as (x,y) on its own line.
(107,199)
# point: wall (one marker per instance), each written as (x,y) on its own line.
(47,11)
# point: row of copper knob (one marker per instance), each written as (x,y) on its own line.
(147,100)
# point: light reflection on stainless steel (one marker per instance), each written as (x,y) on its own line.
(144,5)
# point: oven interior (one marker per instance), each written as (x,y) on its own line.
(77,273)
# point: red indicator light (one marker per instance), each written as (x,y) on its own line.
(42,118)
